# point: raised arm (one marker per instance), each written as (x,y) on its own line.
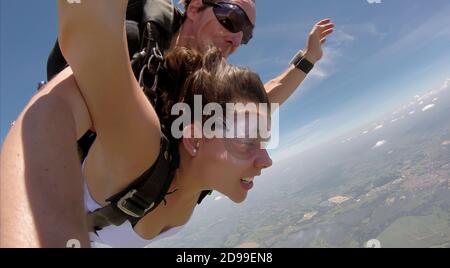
(93,40)
(281,87)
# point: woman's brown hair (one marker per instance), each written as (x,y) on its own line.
(188,73)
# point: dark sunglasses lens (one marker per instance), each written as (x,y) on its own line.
(234,19)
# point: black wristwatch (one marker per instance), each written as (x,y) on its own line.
(300,62)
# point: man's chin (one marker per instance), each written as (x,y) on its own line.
(225,49)
(226,52)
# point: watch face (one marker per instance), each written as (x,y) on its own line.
(297,57)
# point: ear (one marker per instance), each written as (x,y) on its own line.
(194,10)
(191,142)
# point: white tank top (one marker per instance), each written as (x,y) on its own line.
(122,236)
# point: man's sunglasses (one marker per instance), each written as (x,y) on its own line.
(233,18)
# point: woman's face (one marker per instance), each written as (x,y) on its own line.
(230,163)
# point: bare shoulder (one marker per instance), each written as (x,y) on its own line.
(63,91)
(41,188)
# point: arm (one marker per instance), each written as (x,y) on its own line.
(281,87)
(56,61)
(41,187)
(92,39)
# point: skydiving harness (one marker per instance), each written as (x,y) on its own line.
(147,63)
(143,195)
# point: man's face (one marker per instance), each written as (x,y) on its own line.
(208,31)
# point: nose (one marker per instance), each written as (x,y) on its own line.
(263,159)
(235,39)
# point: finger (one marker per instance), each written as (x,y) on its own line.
(325,21)
(323,41)
(326,26)
(327,32)
(322,28)
(329,25)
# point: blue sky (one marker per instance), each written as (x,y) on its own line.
(381,55)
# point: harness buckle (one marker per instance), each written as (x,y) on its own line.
(130,208)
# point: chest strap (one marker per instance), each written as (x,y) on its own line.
(140,197)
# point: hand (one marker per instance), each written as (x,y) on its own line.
(316,38)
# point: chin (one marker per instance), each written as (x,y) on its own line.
(238,199)
(226,52)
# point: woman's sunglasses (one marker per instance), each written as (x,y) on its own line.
(233,18)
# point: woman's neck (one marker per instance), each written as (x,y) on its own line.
(185,187)
(176,211)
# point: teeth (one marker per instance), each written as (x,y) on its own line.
(247,180)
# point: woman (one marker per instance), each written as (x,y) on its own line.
(225,165)
(47,207)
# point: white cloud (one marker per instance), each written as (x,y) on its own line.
(374,1)
(318,72)
(446,84)
(412,112)
(332,53)
(379,144)
(378,127)
(327,65)
(394,120)
(365,132)
(372,29)
(362,29)
(348,139)
(341,37)
(218,198)
(428,107)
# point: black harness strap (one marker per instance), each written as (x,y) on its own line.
(143,195)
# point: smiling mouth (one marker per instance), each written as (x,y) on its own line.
(247,183)
(247,180)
